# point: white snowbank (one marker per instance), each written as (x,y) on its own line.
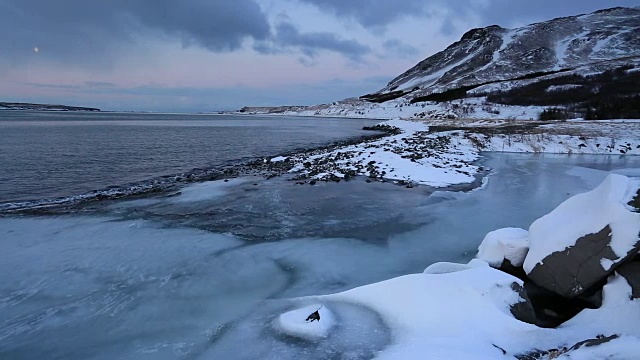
(615,316)
(459,315)
(294,322)
(447,267)
(508,243)
(466,315)
(585,214)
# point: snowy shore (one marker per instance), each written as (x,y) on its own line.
(475,310)
(458,311)
(442,153)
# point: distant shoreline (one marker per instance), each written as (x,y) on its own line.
(43,107)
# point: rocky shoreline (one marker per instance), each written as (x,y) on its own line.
(439,154)
(169,184)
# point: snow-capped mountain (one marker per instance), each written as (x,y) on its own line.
(584,66)
(493,53)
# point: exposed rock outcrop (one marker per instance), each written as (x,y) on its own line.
(570,253)
(585,239)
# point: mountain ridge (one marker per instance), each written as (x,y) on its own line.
(494,53)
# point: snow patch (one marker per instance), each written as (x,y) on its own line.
(509,243)
(447,267)
(279,159)
(294,322)
(459,315)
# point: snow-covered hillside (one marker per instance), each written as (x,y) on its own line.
(570,63)
(494,53)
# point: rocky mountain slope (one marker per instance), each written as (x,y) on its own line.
(493,53)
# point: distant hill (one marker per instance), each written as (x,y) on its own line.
(42,107)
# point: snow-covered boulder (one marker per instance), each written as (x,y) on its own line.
(447,267)
(295,323)
(510,244)
(586,238)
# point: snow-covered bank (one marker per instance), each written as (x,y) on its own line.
(414,156)
(470,311)
(442,153)
(474,107)
(465,315)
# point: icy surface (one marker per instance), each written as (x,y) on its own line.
(508,243)
(209,190)
(159,280)
(586,214)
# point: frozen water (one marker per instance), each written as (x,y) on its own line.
(209,190)
(166,279)
(357,333)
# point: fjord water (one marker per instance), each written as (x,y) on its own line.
(203,274)
(49,154)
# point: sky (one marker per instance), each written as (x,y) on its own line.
(209,55)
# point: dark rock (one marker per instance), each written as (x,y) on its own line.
(512,270)
(547,309)
(631,272)
(577,268)
(524,310)
(312,182)
(554,353)
(635,202)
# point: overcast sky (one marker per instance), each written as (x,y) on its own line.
(205,55)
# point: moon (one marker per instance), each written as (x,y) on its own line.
(36,49)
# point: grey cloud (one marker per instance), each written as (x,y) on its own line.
(399,48)
(287,37)
(376,14)
(509,13)
(371,13)
(99,84)
(81,31)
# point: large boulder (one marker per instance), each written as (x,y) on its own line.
(586,238)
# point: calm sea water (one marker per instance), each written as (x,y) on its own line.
(48,154)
